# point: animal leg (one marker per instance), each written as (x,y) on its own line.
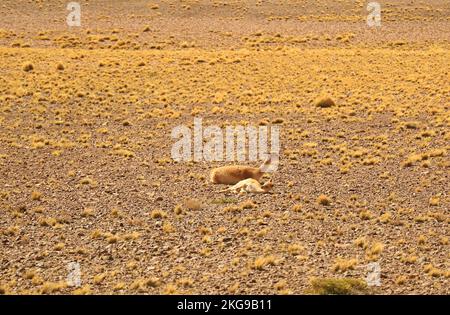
(228,189)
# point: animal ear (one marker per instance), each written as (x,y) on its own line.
(269,182)
(270,165)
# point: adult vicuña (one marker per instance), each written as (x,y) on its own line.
(233,174)
(250,185)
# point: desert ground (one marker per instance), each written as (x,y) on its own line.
(87,177)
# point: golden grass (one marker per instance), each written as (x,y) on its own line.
(338,286)
(115,116)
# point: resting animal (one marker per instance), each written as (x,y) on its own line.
(231,175)
(250,185)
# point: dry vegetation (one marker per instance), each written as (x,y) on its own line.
(86,173)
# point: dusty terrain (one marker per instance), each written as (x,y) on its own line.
(86,115)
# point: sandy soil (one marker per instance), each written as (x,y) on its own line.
(86,115)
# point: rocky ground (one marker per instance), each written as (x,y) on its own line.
(87,176)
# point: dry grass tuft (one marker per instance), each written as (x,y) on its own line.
(27,67)
(324,102)
(338,286)
(158,214)
(323,200)
(193,204)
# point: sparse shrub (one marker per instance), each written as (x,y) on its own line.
(168,228)
(185,282)
(421,219)
(400,280)
(295,249)
(412,124)
(422,240)
(366,215)
(47,222)
(99,278)
(411,160)
(30,274)
(59,246)
(323,200)
(338,286)
(119,286)
(280,285)
(27,67)
(233,288)
(232,209)
(152,282)
(432,271)
(170,289)
(262,261)
(193,204)
(83,290)
(178,210)
(52,287)
(158,214)
(325,102)
(86,181)
(248,204)
(35,195)
(434,201)
(131,236)
(278,121)
(112,239)
(88,212)
(124,153)
(374,251)
(385,217)
(344,264)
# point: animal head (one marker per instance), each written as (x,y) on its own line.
(267,185)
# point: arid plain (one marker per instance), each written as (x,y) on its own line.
(86,115)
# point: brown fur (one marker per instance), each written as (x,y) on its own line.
(231,175)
